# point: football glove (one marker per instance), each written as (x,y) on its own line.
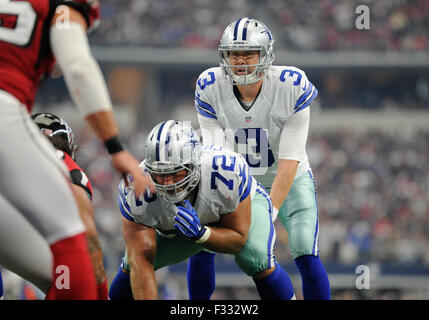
(188,224)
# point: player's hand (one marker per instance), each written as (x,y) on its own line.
(188,222)
(125,163)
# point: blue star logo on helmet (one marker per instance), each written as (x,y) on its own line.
(192,139)
(268,34)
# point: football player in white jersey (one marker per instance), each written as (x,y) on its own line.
(262,111)
(206,199)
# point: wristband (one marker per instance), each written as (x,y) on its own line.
(113,145)
(205,236)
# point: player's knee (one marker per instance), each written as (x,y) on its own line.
(302,240)
(264,273)
(251,265)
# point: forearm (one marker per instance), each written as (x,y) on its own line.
(96,254)
(283,181)
(94,248)
(224,240)
(141,251)
(86,212)
(228,238)
(143,281)
(103,124)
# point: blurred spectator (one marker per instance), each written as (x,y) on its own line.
(313,25)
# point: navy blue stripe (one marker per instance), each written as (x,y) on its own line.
(248,188)
(236,29)
(124,213)
(314,252)
(270,237)
(167,140)
(124,201)
(204,113)
(306,104)
(304,96)
(243,180)
(205,105)
(205,109)
(245,29)
(158,138)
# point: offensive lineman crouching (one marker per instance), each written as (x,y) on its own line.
(206,199)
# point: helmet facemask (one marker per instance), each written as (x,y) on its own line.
(171,147)
(178,191)
(247,78)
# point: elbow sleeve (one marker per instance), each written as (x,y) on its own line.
(81,72)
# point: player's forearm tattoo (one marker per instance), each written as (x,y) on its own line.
(93,244)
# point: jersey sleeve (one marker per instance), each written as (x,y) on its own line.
(77,175)
(203,103)
(80,179)
(90,10)
(131,208)
(303,92)
(212,132)
(231,177)
(294,136)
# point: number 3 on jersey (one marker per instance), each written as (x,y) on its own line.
(204,82)
(17,20)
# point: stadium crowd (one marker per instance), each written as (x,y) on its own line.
(326,25)
(373,197)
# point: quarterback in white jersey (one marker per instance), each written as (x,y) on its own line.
(206,199)
(262,111)
(256,132)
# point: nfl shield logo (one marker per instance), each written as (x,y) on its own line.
(248,119)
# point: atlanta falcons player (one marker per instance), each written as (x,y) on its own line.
(62,138)
(34,198)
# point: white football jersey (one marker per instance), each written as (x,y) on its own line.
(256,133)
(225,182)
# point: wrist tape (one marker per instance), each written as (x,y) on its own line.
(113,145)
(205,236)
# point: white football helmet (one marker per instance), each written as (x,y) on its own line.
(173,146)
(246,34)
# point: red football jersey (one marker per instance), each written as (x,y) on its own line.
(78,177)
(25,55)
